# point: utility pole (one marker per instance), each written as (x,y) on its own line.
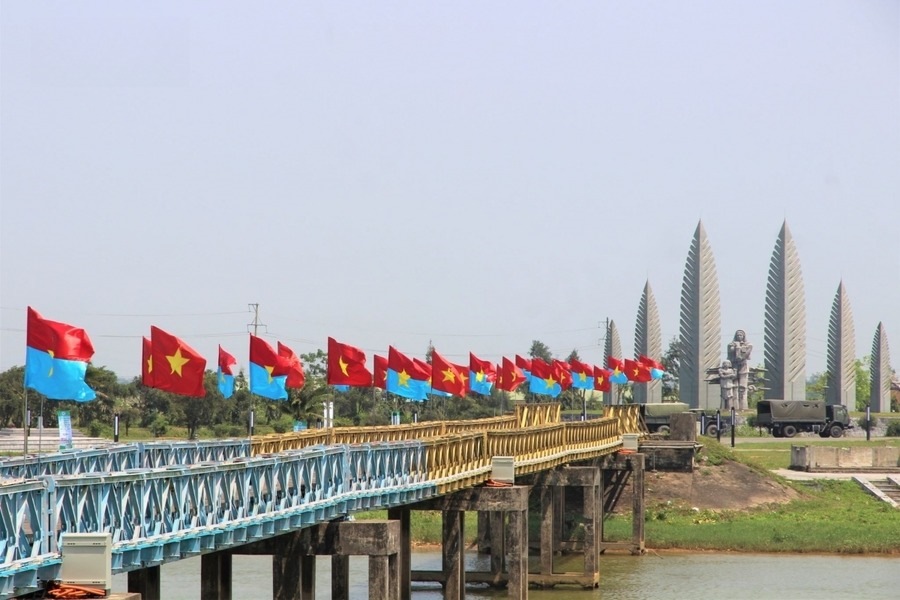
(255,324)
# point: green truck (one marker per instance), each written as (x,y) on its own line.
(656,415)
(785,418)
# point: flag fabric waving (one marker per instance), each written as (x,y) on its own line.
(543,381)
(56,359)
(430,390)
(524,364)
(147,362)
(510,376)
(225,373)
(601,379)
(295,376)
(563,373)
(618,370)
(404,377)
(446,376)
(380,377)
(482,375)
(637,372)
(657,370)
(347,365)
(268,371)
(582,375)
(177,368)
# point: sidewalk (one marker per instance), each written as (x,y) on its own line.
(805,476)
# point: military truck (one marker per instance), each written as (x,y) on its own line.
(656,415)
(785,418)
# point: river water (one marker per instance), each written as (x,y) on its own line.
(622,577)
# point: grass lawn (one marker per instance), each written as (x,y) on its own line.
(776,454)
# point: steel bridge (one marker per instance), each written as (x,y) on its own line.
(165,501)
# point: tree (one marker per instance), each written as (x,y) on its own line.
(815,386)
(12,397)
(573,355)
(863,383)
(540,350)
(671,362)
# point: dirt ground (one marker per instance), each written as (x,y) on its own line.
(729,486)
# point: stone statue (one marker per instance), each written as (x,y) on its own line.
(726,376)
(739,356)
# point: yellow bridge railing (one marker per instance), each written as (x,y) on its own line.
(458,454)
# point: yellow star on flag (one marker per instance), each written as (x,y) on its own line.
(582,377)
(176,361)
(150,364)
(479,376)
(343,366)
(403,378)
(449,376)
(269,370)
(550,382)
(50,374)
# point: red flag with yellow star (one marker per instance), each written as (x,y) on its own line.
(510,376)
(347,365)
(601,379)
(446,376)
(177,367)
(147,363)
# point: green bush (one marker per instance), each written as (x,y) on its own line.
(159,426)
(893,429)
(223,430)
(99,429)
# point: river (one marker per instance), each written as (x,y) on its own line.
(704,576)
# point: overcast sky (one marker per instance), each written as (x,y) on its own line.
(475,174)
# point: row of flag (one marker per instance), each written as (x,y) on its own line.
(57,355)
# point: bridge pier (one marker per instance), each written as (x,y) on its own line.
(616,470)
(294,556)
(513,501)
(553,487)
(145,582)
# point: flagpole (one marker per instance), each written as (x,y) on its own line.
(25,425)
(41,430)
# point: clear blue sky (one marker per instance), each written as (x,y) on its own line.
(475,174)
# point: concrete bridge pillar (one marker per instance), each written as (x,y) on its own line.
(511,501)
(553,487)
(215,576)
(616,469)
(294,557)
(145,582)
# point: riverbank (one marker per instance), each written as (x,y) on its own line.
(732,504)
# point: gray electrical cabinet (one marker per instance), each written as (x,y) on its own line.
(87,560)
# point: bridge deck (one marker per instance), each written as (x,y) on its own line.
(164,502)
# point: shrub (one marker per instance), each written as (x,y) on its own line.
(99,429)
(159,426)
(893,429)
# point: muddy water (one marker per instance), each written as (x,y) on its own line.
(675,576)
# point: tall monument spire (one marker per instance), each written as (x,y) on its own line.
(648,341)
(840,364)
(701,323)
(785,323)
(880,369)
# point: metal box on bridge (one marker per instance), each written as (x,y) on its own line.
(503,468)
(87,560)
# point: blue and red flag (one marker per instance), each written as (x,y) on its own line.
(268,370)
(482,375)
(405,378)
(56,359)
(225,374)
(657,370)
(582,375)
(543,380)
(618,370)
